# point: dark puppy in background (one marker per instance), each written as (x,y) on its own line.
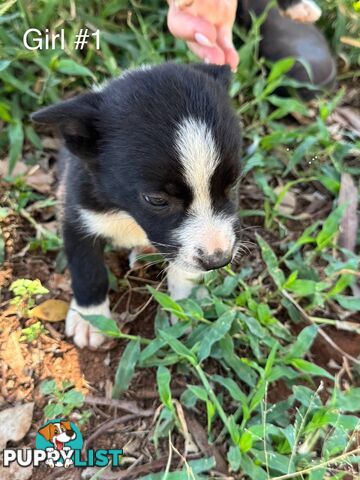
(152,158)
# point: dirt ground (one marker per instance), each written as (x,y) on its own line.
(52,355)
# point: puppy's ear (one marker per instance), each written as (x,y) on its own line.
(76,119)
(47,432)
(221,73)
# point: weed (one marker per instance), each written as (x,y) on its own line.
(25,292)
(63,401)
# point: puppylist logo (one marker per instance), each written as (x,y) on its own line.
(59,443)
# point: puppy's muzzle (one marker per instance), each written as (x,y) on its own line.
(218,259)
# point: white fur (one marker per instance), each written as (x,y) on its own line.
(180,284)
(85,335)
(306,11)
(120,227)
(204,228)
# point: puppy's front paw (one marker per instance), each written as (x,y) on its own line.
(306,11)
(85,334)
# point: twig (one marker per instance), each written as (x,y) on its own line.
(107,426)
(321,332)
(319,465)
(125,405)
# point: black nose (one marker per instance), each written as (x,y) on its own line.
(69,433)
(216,260)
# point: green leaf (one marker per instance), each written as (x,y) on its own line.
(163,378)
(48,387)
(16,139)
(303,342)
(304,288)
(253,325)
(280,68)
(199,392)
(246,442)
(308,367)
(215,333)
(349,303)
(202,464)
(252,470)
(330,227)
(299,153)
(179,347)
(107,326)
(232,387)
(167,303)
(271,262)
(234,458)
(126,368)
(155,345)
(5,63)
(306,396)
(70,67)
(74,397)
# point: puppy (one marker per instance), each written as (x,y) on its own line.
(58,434)
(152,159)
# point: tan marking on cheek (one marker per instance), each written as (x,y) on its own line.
(120,227)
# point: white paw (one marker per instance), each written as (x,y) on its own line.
(306,12)
(85,334)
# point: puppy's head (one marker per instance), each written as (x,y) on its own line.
(162,144)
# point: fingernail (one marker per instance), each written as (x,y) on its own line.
(206,60)
(202,40)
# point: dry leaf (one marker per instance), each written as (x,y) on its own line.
(40,181)
(199,435)
(60,281)
(15,422)
(353,42)
(51,310)
(349,223)
(19,169)
(351,117)
(13,357)
(288,202)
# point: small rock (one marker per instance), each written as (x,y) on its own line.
(15,422)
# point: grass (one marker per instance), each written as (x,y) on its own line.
(242,343)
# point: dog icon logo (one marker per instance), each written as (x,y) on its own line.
(59,438)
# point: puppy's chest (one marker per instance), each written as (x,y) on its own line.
(120,227)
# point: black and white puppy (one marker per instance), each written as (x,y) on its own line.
(152,158)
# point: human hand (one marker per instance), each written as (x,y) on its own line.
(206,26)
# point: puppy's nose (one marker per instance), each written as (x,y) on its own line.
(218,259)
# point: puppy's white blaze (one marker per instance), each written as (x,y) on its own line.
(199,157)
(120,227)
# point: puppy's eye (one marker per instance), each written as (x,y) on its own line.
(156,200)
